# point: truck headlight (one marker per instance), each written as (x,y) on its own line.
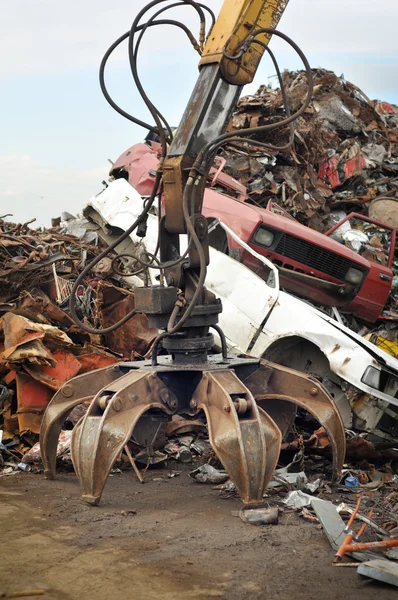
(354,275)
(264,237)
(371,377)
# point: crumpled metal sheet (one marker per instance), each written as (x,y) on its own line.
(66,366)
(92,357)
(37,306)
(24,340)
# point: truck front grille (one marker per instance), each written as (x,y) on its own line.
(313,256)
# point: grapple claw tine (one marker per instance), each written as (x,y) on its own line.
(281,412)
(75,442)
(109,424)
(237,432)
(78,390)
(287,385)
(273,440)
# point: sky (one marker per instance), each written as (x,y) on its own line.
(58,131)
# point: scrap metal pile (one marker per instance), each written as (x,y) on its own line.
(345,157)
(40,346)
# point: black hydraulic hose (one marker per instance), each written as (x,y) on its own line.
(223,339)
(117,43)
(215,144)
(152,109)
(105,91)
(102,74)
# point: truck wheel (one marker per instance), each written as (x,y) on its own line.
(302,355)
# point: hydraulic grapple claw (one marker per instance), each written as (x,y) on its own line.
(78,390)
(248,404)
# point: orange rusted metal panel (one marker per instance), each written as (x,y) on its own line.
(93,361)
(33,398)
(66,367)
(133,336)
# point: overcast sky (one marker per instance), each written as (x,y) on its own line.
(57,130)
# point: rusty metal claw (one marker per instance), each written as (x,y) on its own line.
(246,441)
(248,404)
(109,424)
(273,440)
(284,386)
(76,391)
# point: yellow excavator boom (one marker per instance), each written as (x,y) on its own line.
(232,30)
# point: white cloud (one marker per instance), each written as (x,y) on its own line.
(48,36)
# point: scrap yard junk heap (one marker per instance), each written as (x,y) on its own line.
(324,211)
(41,347)
(344,160)
(345,153)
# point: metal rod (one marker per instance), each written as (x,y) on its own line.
(372,545)
(132,462)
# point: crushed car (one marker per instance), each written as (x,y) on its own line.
(341,268)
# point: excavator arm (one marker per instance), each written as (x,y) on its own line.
(229,61)
(248,403)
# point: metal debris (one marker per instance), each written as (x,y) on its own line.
(381,570)
(208,474)
(345,159)
(41,348)
(260,516)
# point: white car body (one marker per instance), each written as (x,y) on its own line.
(256,314)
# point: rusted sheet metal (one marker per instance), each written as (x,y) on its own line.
(10,377)
(135,335)
(23,340)
(17,333)
(33,398)
(95,360)
(36,305)
(66,366)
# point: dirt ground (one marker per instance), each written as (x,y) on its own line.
(182,541)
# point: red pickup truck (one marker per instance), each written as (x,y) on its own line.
(316,266)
